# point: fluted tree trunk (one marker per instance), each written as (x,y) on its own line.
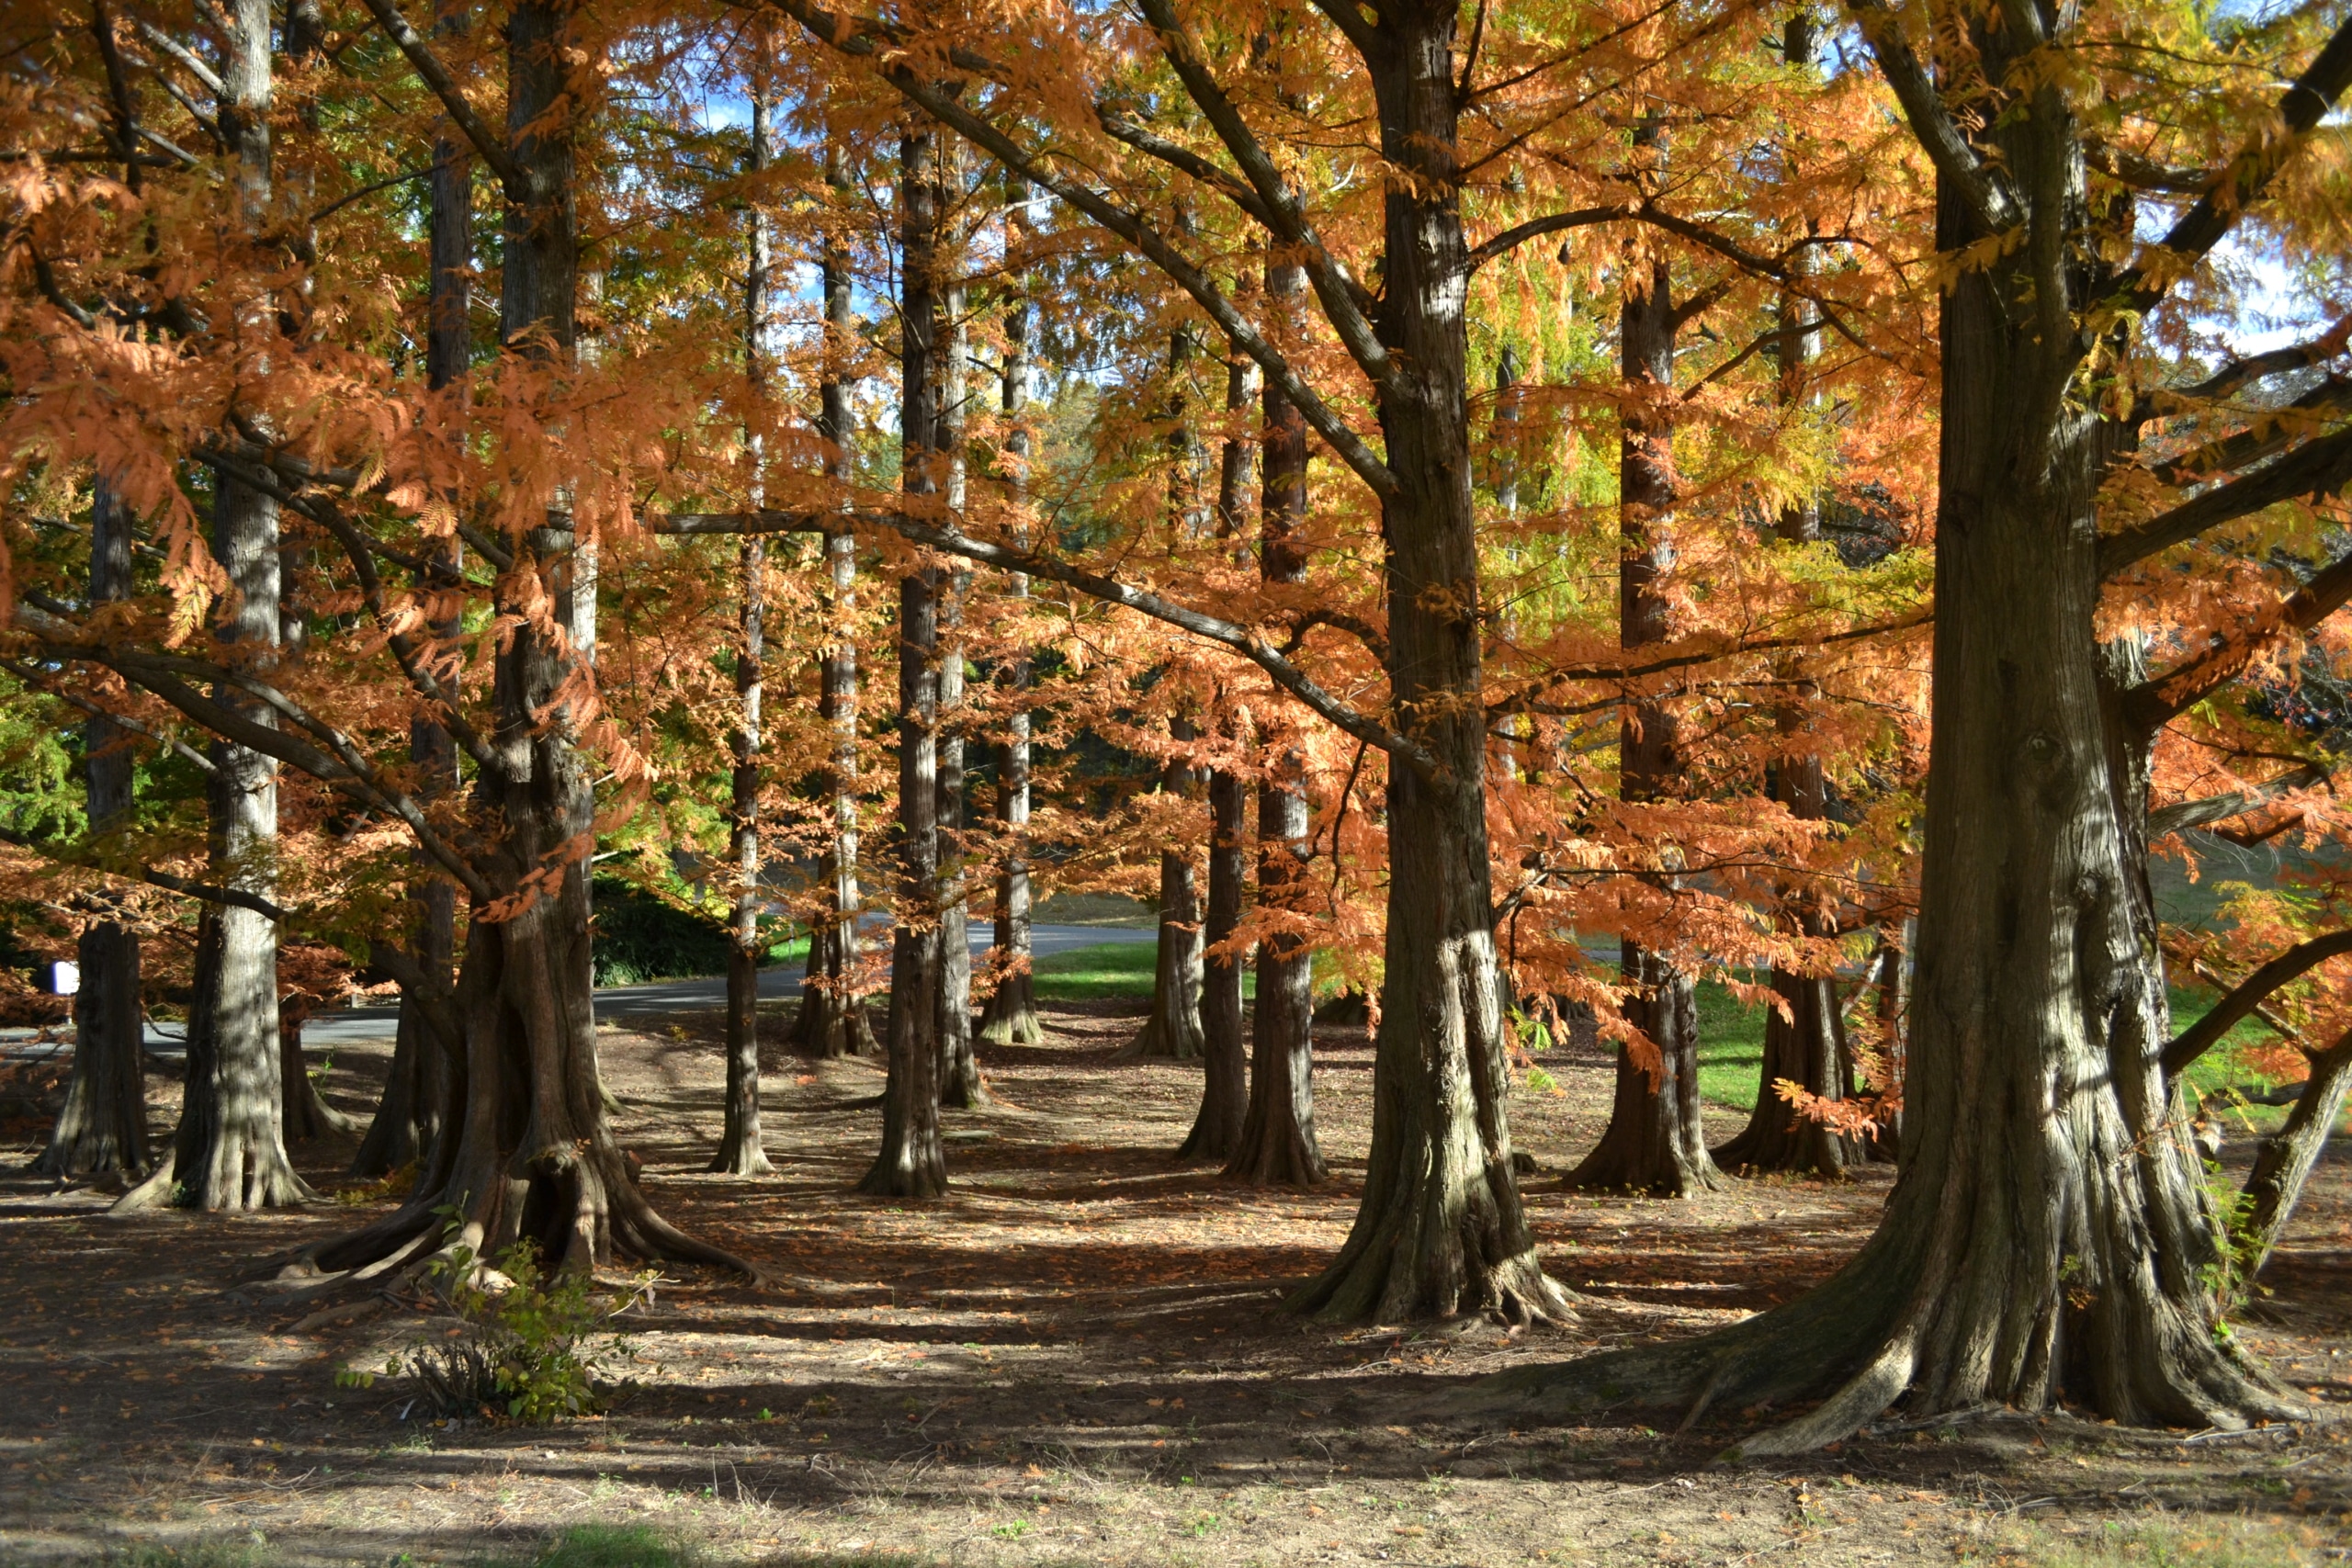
(1806,1047)
(742,1151)
(531,1157)
(1277,1145)
(1010,1016)
(959,1069)
(102,1127)
(1656,1140)
(911,1163)
(229,1151)
(1224,1051)
(416,1104)
(832,1019)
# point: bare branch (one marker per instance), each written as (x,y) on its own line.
(2318,466)
(2248,995)
(436,75)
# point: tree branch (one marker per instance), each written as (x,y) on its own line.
(2154,701)
(1984,189)
(2249,994)
(2184,814)
(2316,467)
(860,38)
(2215,213)
(436,76)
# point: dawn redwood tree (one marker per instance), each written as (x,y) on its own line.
(229,1151)
(2049,1236)
(740,1150)
(1656,1140)
(832,1019)
(1442,1229)
(1010,1015)
(959,1069)
(1276,1144)
(102,1126)
(1172,1029)
(911,1163)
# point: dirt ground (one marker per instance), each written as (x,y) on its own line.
(1078,1358)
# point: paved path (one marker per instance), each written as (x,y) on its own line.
(344,1026)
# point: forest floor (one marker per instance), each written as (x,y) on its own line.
(1078,1358)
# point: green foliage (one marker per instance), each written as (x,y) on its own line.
(1108,969)
(640,937)
(616,1546)
(530,1348)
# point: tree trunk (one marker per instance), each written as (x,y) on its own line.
(302,1112)
(1808,1047)
(532,1158)
(910,1164)
(2284,1161)
(229,1151)
(1277,1143)
(959,1070)
(740,1150)
(1225,1093)
(2049,1238)
(103,1124)
(1656,1140)
(832,1019)
(1441,1230)
(1173,1030)
(1011,1015)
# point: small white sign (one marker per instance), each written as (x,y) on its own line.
(64,978)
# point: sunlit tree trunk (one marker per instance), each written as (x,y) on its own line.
(230,1152)
(1656,1140)
(911,1163)
(740,1150)
(959,1069)
(832,1019)
(1440,1229)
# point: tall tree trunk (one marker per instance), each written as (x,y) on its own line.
(2049,1236)
(959,1069)
(832,1019)
(1011,1015)
(910,1164)
(1224,1089)
(1173,1030)
(416,1105)
(103,1124)
(2283,1162)
(230,1152)
(1277,1143)
(1440,1229)
(1656,1140)
(532,1156)
(740,1150)
(1807,1047)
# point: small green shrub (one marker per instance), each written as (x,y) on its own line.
(639,938)
(530,1348)
(616,1546)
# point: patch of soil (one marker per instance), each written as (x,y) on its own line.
(1078,1357)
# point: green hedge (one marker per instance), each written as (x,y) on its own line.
(639,938)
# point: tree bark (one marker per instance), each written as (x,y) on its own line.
(1277,1143)
(1808,1046)
(1225,1092)
(742,1151)
(229,1151)
(2049,1236)
(1441,1230)
(532,1158)
(2283,1164)
(911,1163)
(832,1019)
(1010,1017)
(102,1127)
(1656,1140)
(959,1069)
(416,1104)
(1173,1030)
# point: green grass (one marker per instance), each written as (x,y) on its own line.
(616,1546)
(1731,1052)
(1107,969)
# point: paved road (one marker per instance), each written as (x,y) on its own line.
(345,1025)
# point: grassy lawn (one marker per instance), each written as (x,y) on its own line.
(1109,969)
